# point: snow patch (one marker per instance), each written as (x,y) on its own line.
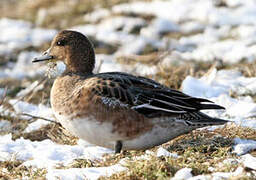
(34,152)
(40,110)
(249,161)
(18,34)
(243,146)
(83,173)
(184,173)
(163,152)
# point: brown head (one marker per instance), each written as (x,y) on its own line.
(74,49)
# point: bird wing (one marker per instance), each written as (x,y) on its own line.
(146,96)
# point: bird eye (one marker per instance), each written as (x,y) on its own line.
(60,43)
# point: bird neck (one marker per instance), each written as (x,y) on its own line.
(81,63)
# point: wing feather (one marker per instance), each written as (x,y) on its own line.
(149,97)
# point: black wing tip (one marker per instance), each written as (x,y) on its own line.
(221,121)
(213,122)
(210,121)
(211,106)
(203,100)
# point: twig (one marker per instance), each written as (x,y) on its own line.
(22,97)
(4,96)
(99,67)
(43,81)
(38,117)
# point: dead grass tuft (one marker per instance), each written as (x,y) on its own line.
(155,168)
(82,163)
(236,131)
(54,132)
(14,169)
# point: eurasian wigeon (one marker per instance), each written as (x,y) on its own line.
(118,110)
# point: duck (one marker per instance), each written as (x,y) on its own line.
(118,110)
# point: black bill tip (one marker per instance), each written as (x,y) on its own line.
(42,58)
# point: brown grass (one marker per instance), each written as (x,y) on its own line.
(52,131)
(198,150)
(59,13)
(171,76)
(15,170)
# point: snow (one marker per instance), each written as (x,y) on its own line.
(163,152)
(34,152)
(208,33)
(22,107)
(47,154)
(243,146)
(217,86)
(18,34)
(2,92)
(84,173)
(184,173)
(35,86)
(192,27)
(117,30)
(97,15)
(249,161)
(215,23)
(225,33)
(219,175)
(108,63)
(221,82)
(24,67)
(159,26)
(40,110)
(5,126)
(127,24)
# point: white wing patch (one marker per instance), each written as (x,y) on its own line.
(148,106)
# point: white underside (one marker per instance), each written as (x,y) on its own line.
(101,133)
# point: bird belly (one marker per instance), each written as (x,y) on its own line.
(101,133)
(159,134)
(90,130)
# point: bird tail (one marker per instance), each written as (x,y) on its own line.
(206,120)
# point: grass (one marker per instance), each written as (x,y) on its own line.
(59,14)
(200,150)
(14,169)
(171,75)
(155,168)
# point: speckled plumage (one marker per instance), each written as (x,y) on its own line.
(118,110)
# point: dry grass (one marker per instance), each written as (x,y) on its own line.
(172,75)
(247,69)
(200,150)
(53,131)
(59,14)
(233,131)
(14,169)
